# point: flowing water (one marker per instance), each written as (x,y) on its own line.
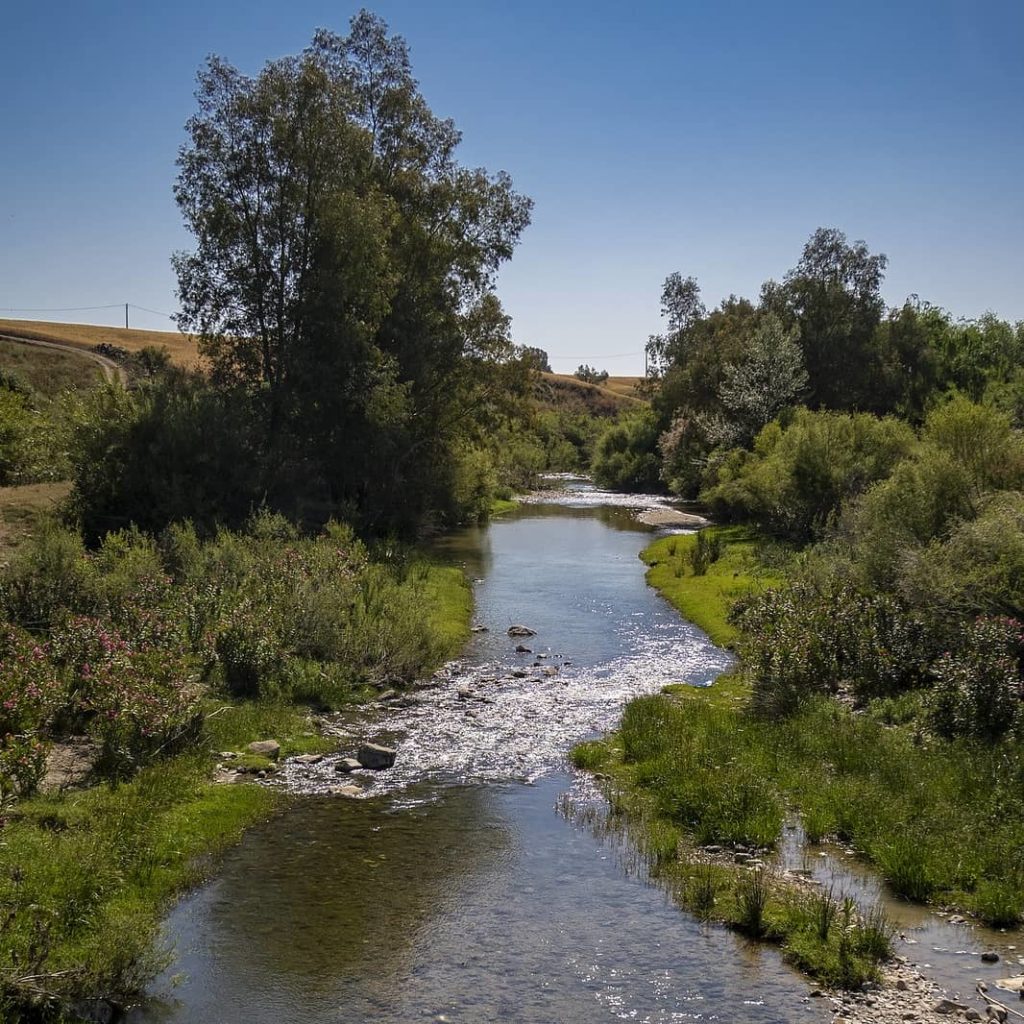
(451,888)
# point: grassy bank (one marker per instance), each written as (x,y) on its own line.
(85,876)
(160,655)
(680,774)
(697,767)
(502,506)
(706,599)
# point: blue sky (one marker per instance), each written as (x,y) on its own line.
(710,138)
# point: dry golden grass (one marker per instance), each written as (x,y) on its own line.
(623,385)
(21,508)
(182,347)
(48,371)
(620,390)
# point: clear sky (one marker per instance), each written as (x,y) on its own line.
(707,137)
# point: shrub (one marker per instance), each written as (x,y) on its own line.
(625,457)
(707,549)
(250,655)
(814,638)
(979,691)
(799,474)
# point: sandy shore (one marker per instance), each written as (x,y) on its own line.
(671,517)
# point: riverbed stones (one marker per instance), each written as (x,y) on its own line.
(990,956)
(308,759)
(947,1006)
(349,791)
(375,756)
(266,748)
(520,630)
(523,649)
(348,764)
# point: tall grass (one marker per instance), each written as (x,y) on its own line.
(725,776)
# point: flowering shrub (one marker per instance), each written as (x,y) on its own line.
(30,688)
(142,704)
(979,691)
(22,765)
(803,639)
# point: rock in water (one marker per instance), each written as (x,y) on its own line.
(266,748)
(373,755)
(521,631)
(348,764)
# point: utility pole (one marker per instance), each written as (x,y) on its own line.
(126,316)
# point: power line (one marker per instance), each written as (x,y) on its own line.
(595,355)
(146,309)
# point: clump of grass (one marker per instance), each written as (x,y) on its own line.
(824,910)
(590,755)
(904,863)
(1001,903)
(701,890)
(752,891)
(707,549)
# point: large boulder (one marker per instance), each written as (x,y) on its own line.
(266,748)
(373,755)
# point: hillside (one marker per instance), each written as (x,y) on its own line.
(564,391)
(49,372)
(181,346)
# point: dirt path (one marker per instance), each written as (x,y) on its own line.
(111,370)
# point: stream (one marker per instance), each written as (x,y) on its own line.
(452,888)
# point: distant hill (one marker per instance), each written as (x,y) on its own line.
(564,391)
(181,346)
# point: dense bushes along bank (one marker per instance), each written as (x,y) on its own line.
(156,654)
(917,778)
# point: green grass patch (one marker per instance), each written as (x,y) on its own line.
(86,876)
(501,506)
(827,938)
(706,599)
(450,600)
(709,766)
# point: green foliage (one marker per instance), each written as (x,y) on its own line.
(370,380)
(799,473)
(625,456)
(707,549)
(805,639)
(979,691)
(724,774)
(26,438)
(590,375)
(86,878)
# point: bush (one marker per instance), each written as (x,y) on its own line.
(798,475)
(979,691)
(625,457)
(707,549)
(809,638)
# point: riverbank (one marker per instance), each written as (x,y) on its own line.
(706,599)
(86,874)
(705,783)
